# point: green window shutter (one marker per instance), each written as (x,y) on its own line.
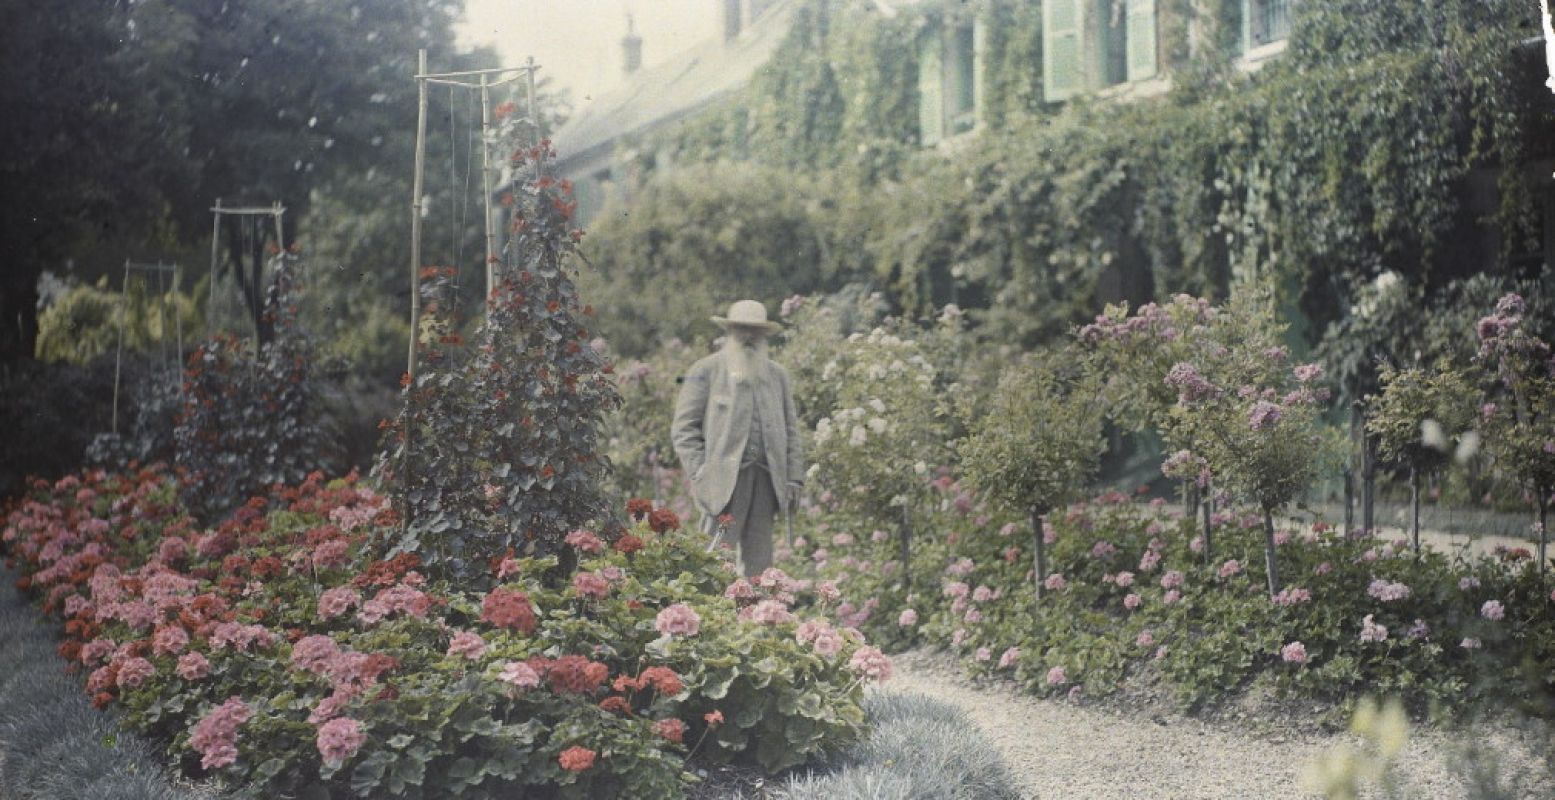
(1247,25)
(1141,39)
(1061,51)
(979,66)
(931,90)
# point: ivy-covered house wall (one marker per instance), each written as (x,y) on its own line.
(1031,161)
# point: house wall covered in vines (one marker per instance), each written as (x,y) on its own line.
(1311,144)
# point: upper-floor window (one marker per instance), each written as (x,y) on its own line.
(741,14)
(950,81)
(1093,44)
(1264,22)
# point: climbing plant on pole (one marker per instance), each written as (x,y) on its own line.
(1036,447)
(503,444)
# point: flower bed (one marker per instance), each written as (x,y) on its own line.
(1132,597)
(274,651)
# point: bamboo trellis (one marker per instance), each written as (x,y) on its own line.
(484,81)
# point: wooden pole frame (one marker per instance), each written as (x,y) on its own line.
(415,212)
(275,211)
(488,79)
(124,288)
(486,189)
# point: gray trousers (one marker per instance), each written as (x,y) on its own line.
(754,507)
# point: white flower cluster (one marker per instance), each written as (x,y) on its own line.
(856,423)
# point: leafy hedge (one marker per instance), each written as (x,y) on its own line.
(272,650)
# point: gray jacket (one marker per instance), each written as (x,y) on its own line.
(713,421)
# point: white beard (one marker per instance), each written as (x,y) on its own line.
(745,361)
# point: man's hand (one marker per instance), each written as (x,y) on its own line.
(795,492)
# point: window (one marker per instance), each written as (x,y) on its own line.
(1264,22)
(950,82)
(1092,44)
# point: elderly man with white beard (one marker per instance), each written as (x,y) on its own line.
(736,432)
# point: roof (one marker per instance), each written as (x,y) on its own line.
(674,89)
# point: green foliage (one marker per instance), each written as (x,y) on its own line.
(1421,416)
(696,241)
(497,448)
(1325,168)
(86,321)
(1036,445)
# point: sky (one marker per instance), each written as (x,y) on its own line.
(578,42)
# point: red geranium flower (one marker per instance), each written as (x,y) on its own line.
(508,608)
(663,519)
(671,729)
(576,759)
(638,508)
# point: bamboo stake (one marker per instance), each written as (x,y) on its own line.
(1039,554)
(533,117)
(210,303)
(118,359)
(161,316)
(178,325)
(277,212)
(1208,507)
(491,234)
(422,74)
(905,546)
(415,215)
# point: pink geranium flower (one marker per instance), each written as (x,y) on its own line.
(871,663)
(678,620)
(339,739)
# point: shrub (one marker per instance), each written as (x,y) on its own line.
(250,419)
(1520,420)
(275,651)
(695,241)
(917,747)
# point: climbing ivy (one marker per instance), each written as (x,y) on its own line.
(1343,158)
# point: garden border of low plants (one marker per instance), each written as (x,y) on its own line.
(53,744)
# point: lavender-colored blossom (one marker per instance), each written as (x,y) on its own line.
(1263,415)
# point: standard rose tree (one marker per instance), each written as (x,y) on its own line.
(1420,420)
(1519,409)
(1037,446)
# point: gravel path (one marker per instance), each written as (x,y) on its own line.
(1059,749)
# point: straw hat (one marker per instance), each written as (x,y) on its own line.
(748,314)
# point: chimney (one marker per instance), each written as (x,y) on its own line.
(631,48)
